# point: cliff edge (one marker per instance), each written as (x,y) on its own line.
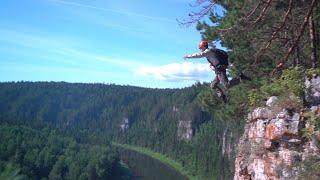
(279,143)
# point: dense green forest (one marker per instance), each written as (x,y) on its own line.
(93,113)
(26,153)
(274,42)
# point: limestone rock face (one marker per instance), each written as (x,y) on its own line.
(271,101)
(272,146)
(185,131)
(313,90)
(259,113)
(227,144)
(124,124)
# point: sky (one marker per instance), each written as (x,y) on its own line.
(126,42)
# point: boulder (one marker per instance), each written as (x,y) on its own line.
(313,90)
(293,124)
(316,110)
(272,101)
(259,113)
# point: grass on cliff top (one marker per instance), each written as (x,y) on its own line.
(164,159)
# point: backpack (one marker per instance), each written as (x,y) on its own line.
(221,55)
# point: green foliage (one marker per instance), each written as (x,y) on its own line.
(229,117)
(43,154)
(11,172)
(289,87)
(313,71)
(291,81)
(310,169)
(166,160)
(206,99)
(92,114)
(313,129)
(231,111)
(254,98)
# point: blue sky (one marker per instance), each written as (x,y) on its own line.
(99,41)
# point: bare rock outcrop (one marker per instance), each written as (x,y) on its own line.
(125,124)
(185,131)
(313,90)
(272,146)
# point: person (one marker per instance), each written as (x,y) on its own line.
(219,64)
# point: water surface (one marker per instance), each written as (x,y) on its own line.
(145,167)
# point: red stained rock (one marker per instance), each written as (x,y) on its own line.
(276,129)
(271,132)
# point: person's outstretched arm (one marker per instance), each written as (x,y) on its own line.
(197,55)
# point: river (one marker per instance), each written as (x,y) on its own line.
(144,167)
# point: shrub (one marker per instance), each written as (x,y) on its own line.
(310,168)
(254,97)
(313,71)
(313,130)
(289,88)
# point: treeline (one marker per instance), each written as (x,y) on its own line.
(26,153)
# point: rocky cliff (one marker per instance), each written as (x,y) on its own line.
(276,144)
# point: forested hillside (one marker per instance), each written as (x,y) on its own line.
(97,113)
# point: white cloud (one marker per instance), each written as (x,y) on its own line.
(176,71)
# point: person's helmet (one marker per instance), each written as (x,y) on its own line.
(203,44)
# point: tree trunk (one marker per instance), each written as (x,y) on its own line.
(297,59)
(313,42)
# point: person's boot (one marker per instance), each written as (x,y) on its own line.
(224,98)
(244,77)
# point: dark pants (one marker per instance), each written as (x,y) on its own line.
(221,77)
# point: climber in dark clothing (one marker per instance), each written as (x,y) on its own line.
(218,60)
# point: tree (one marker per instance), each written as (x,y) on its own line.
(271,31)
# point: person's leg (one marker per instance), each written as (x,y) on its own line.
(236,80)
(244,77)
(222,76)
(217,89)
(214,83)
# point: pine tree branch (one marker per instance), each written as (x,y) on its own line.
(254,10)
(275,33)
(312,42)
(302,30)
(197,16)
(263,12)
